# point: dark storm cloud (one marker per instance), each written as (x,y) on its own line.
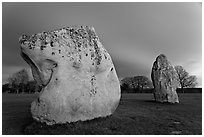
(133,33)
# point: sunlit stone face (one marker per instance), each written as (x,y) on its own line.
(76,73)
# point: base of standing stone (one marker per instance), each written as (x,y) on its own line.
(98,126)
(166,98)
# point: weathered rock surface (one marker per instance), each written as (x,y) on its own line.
(76,73)
(165,80)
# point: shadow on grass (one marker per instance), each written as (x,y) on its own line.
(162,103)
(107,125)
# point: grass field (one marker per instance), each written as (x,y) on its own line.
(136,114)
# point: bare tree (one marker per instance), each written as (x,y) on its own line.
(185,79)
(191,81)
(18,80)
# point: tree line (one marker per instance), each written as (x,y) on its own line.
(136,84)
(141,84)
(19,83)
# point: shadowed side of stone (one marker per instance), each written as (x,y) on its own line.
(98,126)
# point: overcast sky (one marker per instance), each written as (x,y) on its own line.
(133,33)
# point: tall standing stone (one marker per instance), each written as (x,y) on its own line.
(76,73)
(165,80)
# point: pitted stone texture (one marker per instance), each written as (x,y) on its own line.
(165,80)
(76,73)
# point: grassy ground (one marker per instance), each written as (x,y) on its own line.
(136,114)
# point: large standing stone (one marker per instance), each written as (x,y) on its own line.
(165,80)
(76,73)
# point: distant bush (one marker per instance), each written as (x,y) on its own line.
(136,84)
(19,83)
(29,87)
(6,88)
